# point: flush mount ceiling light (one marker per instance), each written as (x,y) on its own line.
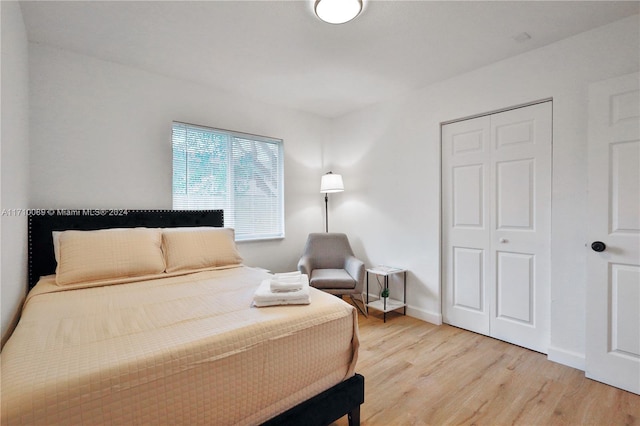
(337,11)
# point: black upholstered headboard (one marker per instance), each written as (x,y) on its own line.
(41,257)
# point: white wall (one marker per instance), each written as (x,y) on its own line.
(101,138)
(389,155)
(14,170)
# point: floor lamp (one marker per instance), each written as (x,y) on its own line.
(330,182)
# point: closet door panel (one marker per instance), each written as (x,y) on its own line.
(467,188)
(466,162)
(515,205)
(468,279)
(521,220)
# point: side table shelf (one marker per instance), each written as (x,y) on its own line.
(389,304)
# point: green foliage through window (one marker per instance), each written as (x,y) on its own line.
(239,173)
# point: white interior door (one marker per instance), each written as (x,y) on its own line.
(613,287)
(496,197)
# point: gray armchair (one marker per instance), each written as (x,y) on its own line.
(332,267)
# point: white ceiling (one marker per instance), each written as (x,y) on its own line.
(280,53)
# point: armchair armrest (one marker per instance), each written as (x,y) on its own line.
(355,268)
(304,266)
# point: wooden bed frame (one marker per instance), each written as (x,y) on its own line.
(342,399)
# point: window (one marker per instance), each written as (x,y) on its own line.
(239,173)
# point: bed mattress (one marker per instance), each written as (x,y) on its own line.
(187,349)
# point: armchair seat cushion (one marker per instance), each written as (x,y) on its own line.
(331,279)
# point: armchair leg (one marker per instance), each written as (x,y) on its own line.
(362,308)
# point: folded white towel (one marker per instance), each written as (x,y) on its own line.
(285,285)
(294,274)
(286,281)
(301,301)
(265,297)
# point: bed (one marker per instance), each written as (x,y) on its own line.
(181,346)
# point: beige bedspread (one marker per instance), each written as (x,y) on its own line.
(181,350)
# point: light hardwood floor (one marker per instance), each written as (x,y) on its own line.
(417,373)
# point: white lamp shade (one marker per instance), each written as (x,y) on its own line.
(337,11)
(331,183)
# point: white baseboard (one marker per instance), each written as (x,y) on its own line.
(421,314)
(568,358)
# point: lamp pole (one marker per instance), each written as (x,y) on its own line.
(330,182)
(326,212)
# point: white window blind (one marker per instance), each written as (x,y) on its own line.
(239,173)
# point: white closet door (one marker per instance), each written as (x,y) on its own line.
(466,164)
(521,225)
(613,283)
(496,199)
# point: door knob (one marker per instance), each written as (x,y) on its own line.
(598,246)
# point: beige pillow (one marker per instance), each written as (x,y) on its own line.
(98,255)
(199,248)
(56,240)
